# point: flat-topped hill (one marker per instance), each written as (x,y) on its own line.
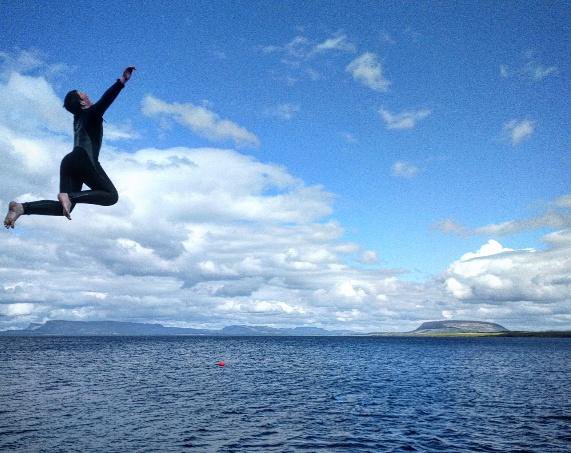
(451,326)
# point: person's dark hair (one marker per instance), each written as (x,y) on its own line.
(72,102)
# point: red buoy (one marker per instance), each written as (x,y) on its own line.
(221,363)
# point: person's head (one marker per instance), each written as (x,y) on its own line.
(75,101)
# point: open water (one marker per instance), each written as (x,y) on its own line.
(131,394)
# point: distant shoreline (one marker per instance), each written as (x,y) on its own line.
(545,334)
(429,329)
(523,334)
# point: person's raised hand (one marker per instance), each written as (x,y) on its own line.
(127,72)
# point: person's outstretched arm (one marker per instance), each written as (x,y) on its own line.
(112,92)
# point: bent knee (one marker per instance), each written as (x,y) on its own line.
(113,198)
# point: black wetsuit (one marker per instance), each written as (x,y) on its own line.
(81,166)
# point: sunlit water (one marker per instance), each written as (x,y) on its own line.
(285,394)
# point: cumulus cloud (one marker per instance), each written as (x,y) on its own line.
(497,274)
(18,309)
(21,93)
(209,237)
(518,283)
(200,120)
(369,71)
(403,120)
(519,130)
(201,237)
(404,169)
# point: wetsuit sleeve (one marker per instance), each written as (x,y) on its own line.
(108,97)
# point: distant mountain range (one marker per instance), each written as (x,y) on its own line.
(85,328)
(118,328)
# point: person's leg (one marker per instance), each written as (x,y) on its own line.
(68,180)
(102,193)
(76,169)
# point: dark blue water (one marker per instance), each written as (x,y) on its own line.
(285,394)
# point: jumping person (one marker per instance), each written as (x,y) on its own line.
(80,166)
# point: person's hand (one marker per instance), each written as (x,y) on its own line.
(127,73)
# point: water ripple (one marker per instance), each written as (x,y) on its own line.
(285,394)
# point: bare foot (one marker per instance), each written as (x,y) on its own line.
(15,210)
(66,203)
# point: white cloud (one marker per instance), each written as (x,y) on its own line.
(450,226)
(404,169)
(555,218)
(564,201)
(115,132)
(14,310)
(202,237)
(302,56)
(301,48)
(519,130)
(414,35)
(369,257)
(20,93)
(496,274)
(298,47)
(531,69)
(386,37)
(403,120)
(369,71)
(31,60)
(550,219)
(284,111)
(447,314)
(536,71)
(336,43)
(504,71)
(313,74)
(200,120)
(527,283)
(209,237)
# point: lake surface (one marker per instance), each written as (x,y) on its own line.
(285,394)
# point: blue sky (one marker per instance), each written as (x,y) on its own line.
(460,120)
